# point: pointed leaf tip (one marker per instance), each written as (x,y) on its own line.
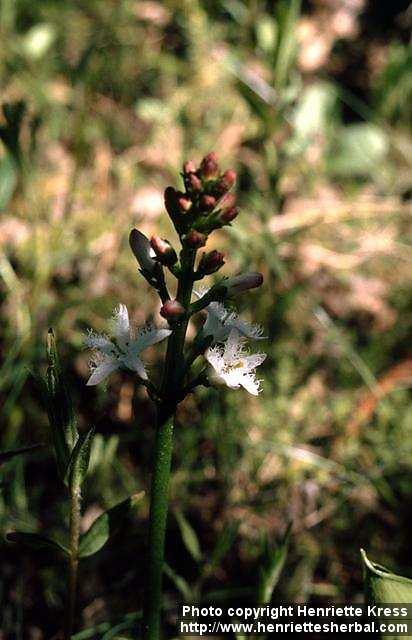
(384,587)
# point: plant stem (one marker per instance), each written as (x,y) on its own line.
(157,529)
(159,496)
(73,561)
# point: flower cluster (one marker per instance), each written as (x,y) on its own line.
(205,204)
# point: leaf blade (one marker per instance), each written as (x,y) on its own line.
(270,574)
(106,525)
(36,541)
(5,456)
(189,536)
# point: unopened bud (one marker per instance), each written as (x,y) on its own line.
(142,250)
(209,166)
(228,215)
(172,310)
(243,282)
(211,262)
(195,239)
(163,250)
(184,204)
(227,202)
(208,202)
(189,167)
(194,182)
(226,181)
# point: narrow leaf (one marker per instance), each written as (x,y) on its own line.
(107,525)
(189,537)
(79,461)
(8,180)
(59,407)
(288,15)
(180,583)
(5,456)
(270,573)
(36,541)
(223,544)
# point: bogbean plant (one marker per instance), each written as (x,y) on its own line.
(72,454)
(217,355)
(206,204)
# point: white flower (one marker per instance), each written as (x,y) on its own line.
(233,365)
(123,349)
(221,321)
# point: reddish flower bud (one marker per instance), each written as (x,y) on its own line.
(172,310)
(227,202)
(229,178)
(195,239)
(208,202)
(163,250)
(226,181)
(228,215)
(194,182)
(189,167)
(184,204)
(243,282)
(211,262)
(209,167)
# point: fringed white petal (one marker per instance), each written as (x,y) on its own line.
(149,335)
(252,361)
(100,342)
(250,383)
(133,362)
(101,371)
(121,323)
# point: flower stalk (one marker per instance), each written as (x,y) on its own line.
(206,204)
(162,459)
(75,499)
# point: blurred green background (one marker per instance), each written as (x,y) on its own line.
(311,104)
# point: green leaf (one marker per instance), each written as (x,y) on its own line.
(59,408)
(266,32)
(5,456)
(189,537)
(270,572)
(384,587)
(106,525)
(179,582)
(79,461)
(36,541)
(8,180)
(288,15)
(222,546)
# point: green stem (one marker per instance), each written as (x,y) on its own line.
(73,562)
(159,496)
(157,529)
